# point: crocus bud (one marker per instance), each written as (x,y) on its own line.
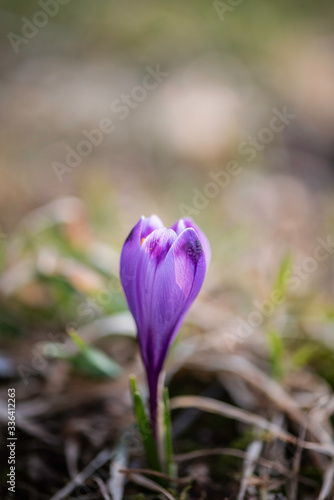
(162,271)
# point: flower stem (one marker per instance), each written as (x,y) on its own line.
(144,426)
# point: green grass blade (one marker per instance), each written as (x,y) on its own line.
(92,362)
(168,440)
(284,271)
(144,427)
(276,353)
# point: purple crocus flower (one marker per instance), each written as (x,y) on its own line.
(162,271)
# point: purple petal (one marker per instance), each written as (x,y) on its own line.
(173,270)
(152,255)
(187,222)
(128,265)
(130,257)
(178,282)
(150,224)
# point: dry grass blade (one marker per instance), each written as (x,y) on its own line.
(80,394)
(103,488)
(327,487)
(120,324)
(95,464)
(275,393)
(72,454)
(150,485)
(296,464)
(227,410)
(194,455)
(117,479)
(18,275)
(150,472)
(28,427)
(252,456)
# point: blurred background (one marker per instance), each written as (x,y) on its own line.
(228,68)
(222,111)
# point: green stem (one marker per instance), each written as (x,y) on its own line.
(144,426)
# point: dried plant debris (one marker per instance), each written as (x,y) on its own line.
(252,415)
